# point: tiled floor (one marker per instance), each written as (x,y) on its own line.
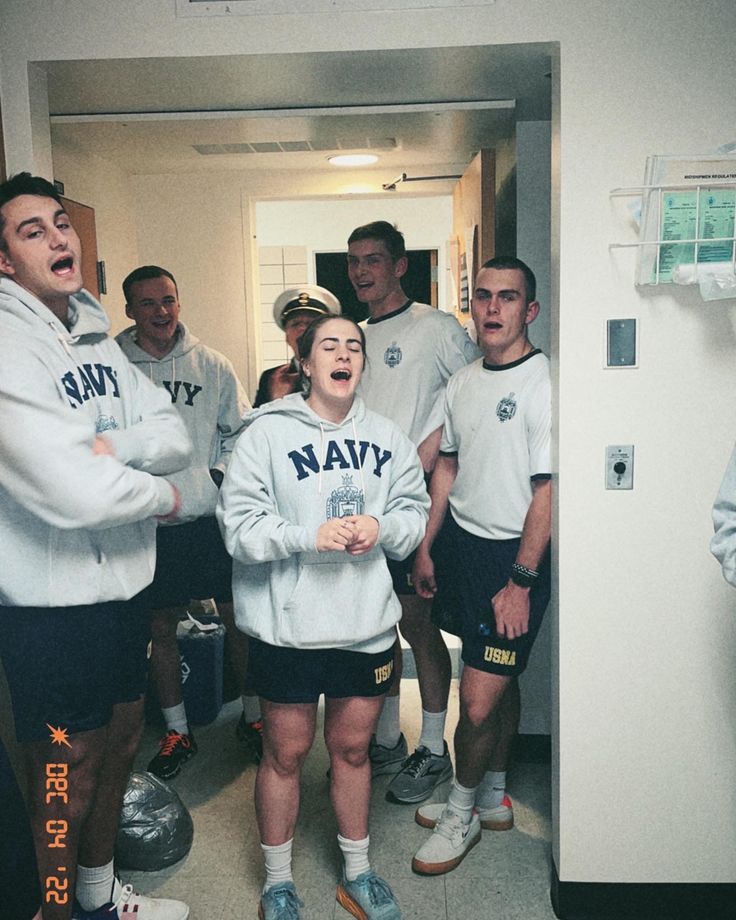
(506,877)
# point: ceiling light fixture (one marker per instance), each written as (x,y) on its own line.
(353,159)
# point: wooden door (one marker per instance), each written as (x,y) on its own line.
(474,223)
(83,221)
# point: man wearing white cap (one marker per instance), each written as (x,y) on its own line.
(293,311)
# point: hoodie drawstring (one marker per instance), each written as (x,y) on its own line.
(360,461)
(323,456)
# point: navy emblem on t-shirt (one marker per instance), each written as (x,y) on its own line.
(345,501)
(506,408)
(392,356)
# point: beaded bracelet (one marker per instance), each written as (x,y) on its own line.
(522,576)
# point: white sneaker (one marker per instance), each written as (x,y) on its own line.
(451,840)
(130,904)
(499,818)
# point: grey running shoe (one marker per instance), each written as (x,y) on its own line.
(419,775)
(368,898)
(280,903)
(386,760)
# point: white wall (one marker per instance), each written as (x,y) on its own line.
(533,222)
(95,182)
(646,637)
(324,226)
(194,227)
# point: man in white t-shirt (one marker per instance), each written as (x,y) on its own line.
(486,562)
(413,349)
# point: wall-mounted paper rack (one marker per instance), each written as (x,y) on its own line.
(687,222)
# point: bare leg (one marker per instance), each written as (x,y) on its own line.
(395,687)
(349,724)
(236,646)
(288,735)
(484,723)
(434,668)
(97,840)
(57,823)
(509,714)
(165,663)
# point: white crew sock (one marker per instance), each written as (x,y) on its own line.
(251,707)
(461,801)
(176,719)
(433,731)
(388,730)
(95,885)
(278,864)
(355,853)
(492,789)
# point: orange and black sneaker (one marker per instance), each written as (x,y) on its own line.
(250,735)
(175,750)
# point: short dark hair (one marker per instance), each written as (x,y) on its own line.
(24,184)
(305,342)
(145,273)
(530,282)
(386,233)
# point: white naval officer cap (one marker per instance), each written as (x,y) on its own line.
(308,298)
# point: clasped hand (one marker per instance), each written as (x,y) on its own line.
(355,534)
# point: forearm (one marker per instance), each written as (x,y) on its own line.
(439,490)
(428,450)
(535,535)
(160,447)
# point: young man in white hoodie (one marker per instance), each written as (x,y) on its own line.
(84,444)
(192,561)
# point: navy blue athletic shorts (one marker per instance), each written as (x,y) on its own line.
(295,675)
(191,562)
(400,570)
(469,571)
(20,888)
(68,666)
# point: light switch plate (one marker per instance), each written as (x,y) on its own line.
(621,343)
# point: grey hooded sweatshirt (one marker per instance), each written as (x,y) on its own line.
(77,527)
(290,472)
(204,388)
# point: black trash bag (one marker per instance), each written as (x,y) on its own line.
(156,830)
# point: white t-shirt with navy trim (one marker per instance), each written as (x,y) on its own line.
(411,355)
(498,422)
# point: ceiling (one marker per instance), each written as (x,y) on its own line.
(423,111)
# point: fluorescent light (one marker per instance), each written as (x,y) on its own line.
(353,159)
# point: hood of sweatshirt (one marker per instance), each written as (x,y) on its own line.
(295,405)
(184,342)
(23,311)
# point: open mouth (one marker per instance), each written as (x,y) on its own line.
(341,375)
(63,266)
(492,326)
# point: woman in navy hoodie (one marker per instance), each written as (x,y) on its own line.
(319,491)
